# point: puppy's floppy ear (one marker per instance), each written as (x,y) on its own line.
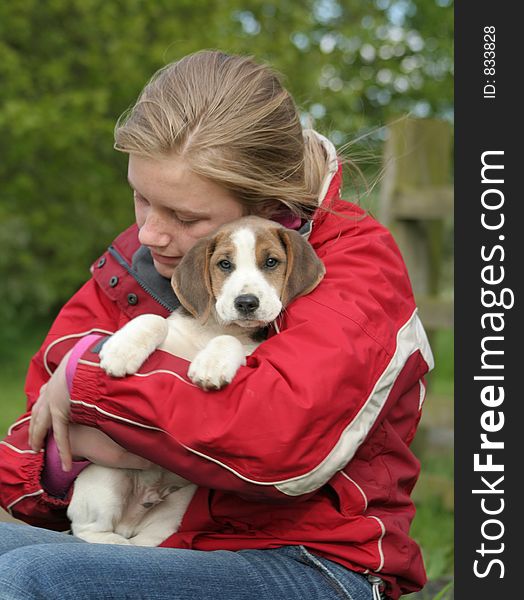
(304,269)
(192,280)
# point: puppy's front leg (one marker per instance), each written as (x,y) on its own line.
(127,349)
(216,364)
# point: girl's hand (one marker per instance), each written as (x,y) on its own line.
(52,410)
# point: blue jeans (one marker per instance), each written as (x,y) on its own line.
(46,565)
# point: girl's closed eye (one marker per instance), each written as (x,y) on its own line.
(185,222)
(187,218)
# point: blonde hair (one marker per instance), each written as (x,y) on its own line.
(232,121)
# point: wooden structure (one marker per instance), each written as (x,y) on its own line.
(416,201)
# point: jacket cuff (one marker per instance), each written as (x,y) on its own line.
(85,391)
(21,491)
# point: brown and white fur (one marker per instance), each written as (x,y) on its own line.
(231,286)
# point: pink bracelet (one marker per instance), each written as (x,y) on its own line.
(81,346)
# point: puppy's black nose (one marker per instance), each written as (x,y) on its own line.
(246,303)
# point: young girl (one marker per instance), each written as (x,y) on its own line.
(303,461)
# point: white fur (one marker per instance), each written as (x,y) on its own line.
(107,504)
(125,352)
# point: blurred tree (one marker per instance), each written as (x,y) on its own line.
(69,68)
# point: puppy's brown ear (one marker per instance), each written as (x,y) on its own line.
(192,281)
(304,269)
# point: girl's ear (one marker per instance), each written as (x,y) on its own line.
(304,269)
(192,281)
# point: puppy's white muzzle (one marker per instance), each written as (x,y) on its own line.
(248,299)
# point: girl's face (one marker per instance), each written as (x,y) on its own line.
(174,208)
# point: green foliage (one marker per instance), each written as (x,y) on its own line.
(14,361)
(69,68)
(433,526)
(443,376)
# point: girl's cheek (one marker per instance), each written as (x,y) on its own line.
(203,229)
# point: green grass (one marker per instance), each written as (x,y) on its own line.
(433,526)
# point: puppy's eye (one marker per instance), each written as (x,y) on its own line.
(225,265)
(148,504)
(271,263)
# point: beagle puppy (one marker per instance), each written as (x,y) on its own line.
(231,286)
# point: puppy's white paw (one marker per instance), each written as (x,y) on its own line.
(216,365)
(119,359)
(127,349)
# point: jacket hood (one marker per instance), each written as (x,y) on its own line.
(327,190)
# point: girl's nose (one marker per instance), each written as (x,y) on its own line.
(153,233)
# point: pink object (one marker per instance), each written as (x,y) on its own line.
(55,481)
(77,352)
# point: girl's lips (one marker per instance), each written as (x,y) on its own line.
(165,260)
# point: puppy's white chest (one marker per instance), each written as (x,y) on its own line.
(186,336)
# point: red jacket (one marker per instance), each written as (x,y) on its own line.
(310,442)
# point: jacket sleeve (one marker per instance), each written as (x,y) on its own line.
(308,396)
(21,492)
